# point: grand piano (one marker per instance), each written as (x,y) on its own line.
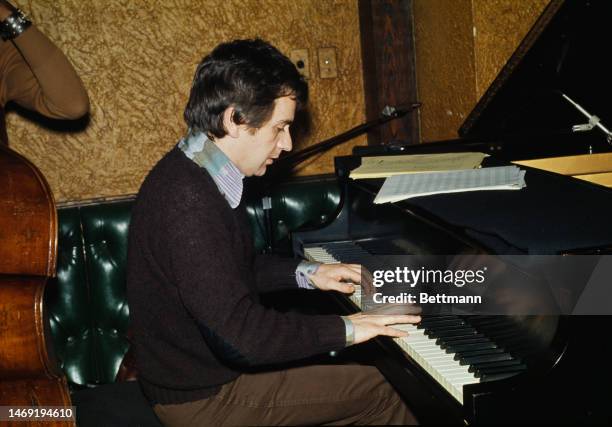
(512,368)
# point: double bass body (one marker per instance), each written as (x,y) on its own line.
(28,245)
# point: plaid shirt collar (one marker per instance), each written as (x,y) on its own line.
(205,153)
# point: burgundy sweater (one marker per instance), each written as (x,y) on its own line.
(193,283)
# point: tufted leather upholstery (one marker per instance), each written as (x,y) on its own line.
(87,305)
(308,202)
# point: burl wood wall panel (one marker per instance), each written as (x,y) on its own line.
(137,58)
(444,65)
(460,47)
(500,27)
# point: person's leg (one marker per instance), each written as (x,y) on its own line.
(330,394)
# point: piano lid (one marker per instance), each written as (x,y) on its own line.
(563,52)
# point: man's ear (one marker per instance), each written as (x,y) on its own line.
(230,126)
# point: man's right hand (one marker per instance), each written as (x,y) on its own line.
(368,326)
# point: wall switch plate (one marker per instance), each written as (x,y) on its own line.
(328,68)
(299,57)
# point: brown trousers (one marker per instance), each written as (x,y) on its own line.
(310,395)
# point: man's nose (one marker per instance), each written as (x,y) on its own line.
(285,142)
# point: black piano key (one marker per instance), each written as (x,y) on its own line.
(500,331)
(345,251)
(490,320)
(479,317)
(444,333)
(433,318)
(454,338)
(460,338)
(496,377)
(517,345)
(433,329)
(476,360)
(450,333)
(478,365)
(506,337)
(480,372)
(500,363)
(450,344)
(484,345)
(447,326)
(442,316)
(471,353)
(507,341)
(381,247)
(485,321)
(442,322)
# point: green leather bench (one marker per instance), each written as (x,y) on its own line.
(87,304)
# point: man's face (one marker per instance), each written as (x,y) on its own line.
(259,147)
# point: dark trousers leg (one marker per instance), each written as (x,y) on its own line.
(311,395)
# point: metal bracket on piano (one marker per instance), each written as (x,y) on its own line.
(396,111)
(593,120)
(266,204)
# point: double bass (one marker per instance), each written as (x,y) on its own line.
(29,374)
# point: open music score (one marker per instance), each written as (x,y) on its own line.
(401,187)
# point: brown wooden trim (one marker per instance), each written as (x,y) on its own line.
(95,201)
(3,134)
(388,57)
(582,164)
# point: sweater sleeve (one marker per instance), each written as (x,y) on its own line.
(273,272)
(36,75)
(212,289)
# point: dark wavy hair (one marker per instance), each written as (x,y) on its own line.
(246,74)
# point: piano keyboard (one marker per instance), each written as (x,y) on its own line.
(448,348)
(319,254)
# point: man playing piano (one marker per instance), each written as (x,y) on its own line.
(207,352)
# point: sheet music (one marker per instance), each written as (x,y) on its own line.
(401,187)
(385,166)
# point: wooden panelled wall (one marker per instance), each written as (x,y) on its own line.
(137,58)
